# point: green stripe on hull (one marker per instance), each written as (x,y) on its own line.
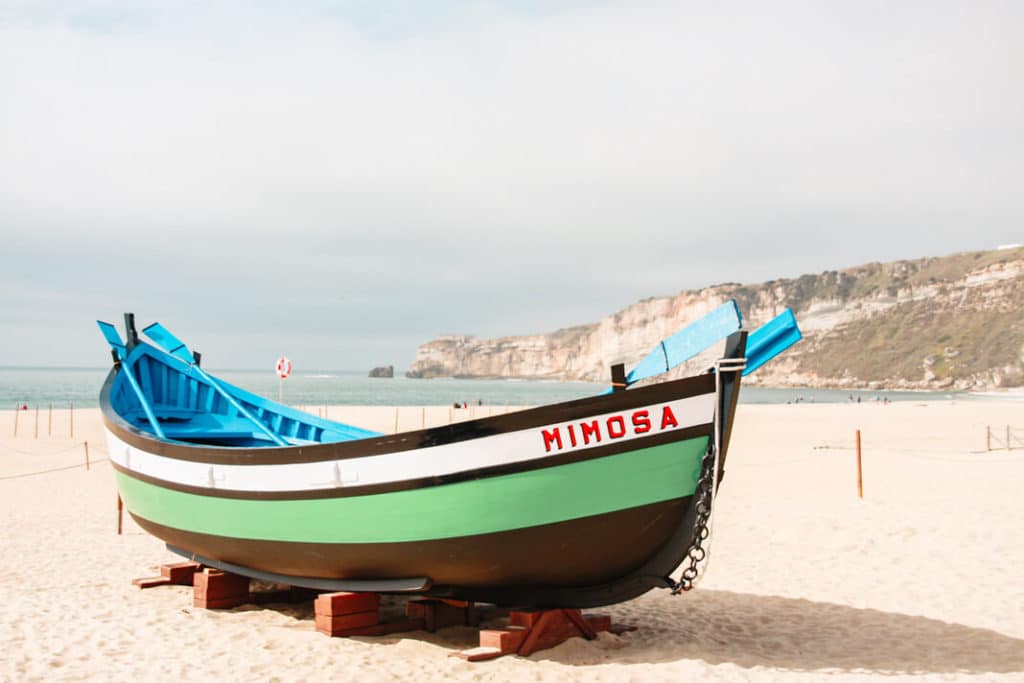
(513,501)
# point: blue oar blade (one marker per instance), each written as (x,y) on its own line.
(113,338)
(771,339)
(163,338)
(688,342)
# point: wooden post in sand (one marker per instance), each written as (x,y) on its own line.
(120,508)
(988,437)
(860,477)
(423,418)
(86,455)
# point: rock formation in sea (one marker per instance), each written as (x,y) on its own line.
(952,322)
(383,371)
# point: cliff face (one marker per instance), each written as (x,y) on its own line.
(950,322)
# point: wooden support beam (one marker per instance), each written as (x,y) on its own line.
(532,630)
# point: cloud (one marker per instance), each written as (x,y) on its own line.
(393,171)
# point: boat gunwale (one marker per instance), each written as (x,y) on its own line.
(472,474)
(531,418)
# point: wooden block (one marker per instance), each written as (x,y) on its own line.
(529,618)
(211,584)
(505,640)
(180,573)
(220,603)
(334,625)
(336,604)
(151,582)
(479,654)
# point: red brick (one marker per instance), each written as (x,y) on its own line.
(211,584)
(337,604)
(506,640)
(337,625)
(180,573)
(151,582)
(220,603)
(529,618)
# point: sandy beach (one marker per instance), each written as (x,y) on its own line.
(922,579)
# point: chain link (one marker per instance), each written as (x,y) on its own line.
(703,495)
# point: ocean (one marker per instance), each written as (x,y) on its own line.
(61,386)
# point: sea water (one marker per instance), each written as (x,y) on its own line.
(61,386)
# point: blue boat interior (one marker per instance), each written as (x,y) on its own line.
(163,390)
(190,406)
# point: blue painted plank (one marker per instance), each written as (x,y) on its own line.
(771,339)
(688,342)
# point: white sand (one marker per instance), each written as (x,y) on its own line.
(923,579)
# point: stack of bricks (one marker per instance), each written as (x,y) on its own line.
(214,589)
(347,614)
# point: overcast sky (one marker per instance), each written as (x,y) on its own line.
(342,181)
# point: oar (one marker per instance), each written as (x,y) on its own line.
(163,338)
(114,339)
(688,342)
(771,339)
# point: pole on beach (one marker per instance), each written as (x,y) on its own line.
(423,418)
(86,454)
(120,514)
(396,420)
(860,476)
(988,437)
(72,413)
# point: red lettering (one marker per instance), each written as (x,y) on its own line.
(572,435)
(641,422)
(592,429)
(668,418)
(554,436)
(616,432)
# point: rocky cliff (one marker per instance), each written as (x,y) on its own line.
(950,322)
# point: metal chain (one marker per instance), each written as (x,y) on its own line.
(703,495)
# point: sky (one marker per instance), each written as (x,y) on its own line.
(343,181)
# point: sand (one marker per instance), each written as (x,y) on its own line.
(921,579)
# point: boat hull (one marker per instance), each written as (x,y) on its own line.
(579,504)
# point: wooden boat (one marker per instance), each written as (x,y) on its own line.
(578,504)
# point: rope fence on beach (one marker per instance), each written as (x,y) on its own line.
(998,440)
(22,408)
(83,444)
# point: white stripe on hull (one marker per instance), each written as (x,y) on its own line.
(510,447)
